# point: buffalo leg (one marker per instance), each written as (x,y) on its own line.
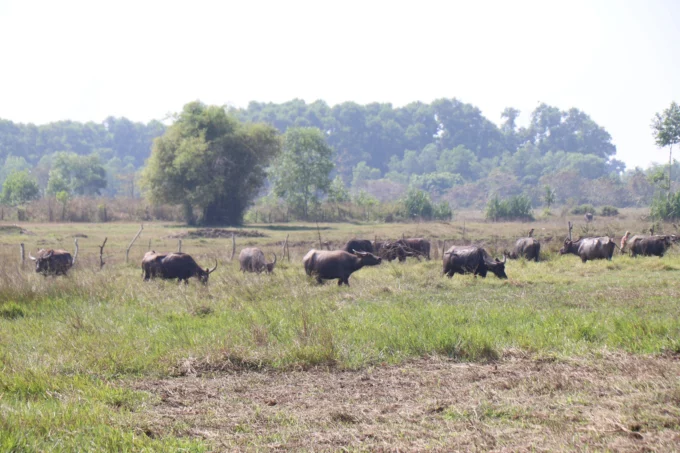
(319,281)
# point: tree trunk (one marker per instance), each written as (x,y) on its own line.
(670,167)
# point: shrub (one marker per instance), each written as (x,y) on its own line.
(514,208)
(665,209)
(609,211)
(442,211)
(582,209)
(417,203)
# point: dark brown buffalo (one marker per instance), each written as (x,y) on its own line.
(590,248)
(176,265)
(252,260)
(151,264)
(471,259)
(53,262)
(650,245)
(329,265)
(528,248)
(360,245)
(588,216)
(420,246)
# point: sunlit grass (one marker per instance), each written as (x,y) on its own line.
(65,343)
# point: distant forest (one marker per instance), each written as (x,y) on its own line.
(446,148)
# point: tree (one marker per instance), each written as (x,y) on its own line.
(210,161)
(337,193)
(549,197)
(301,173)
(19,188)
(80,175)
(666,127)
(363,172)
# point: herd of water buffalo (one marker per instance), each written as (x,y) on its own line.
(357,253)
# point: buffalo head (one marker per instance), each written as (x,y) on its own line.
(367,258)
(498,267)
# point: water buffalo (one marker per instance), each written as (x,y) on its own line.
(590,248)
(650,245)
(252,260)
(359,245)
(151,265)
(528,248)
(328,265)
(175,265)
(588,216)
(471,259)
(419,246)
(53,262)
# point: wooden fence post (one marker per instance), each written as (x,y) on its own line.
(127,251)
(285,246)
(101,254)
(233,246)
(23,255)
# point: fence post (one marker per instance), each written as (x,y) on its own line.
(233,246)
(101,254)
(179,246)
(23,255)
(127,251)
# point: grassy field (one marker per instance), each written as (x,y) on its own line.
(563,355)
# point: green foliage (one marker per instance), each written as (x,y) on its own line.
(666,208)
(337,192)
(442,211)
(514,208)
(666,126)
(609,211)
(78,175)
(437,182)
(549,196)
(363,172)
(417,203)
(459,160)
(11,310)
(301,173)
(583,209)
(366,202)
(208,160)
(19,188)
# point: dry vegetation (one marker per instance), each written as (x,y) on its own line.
(562,356)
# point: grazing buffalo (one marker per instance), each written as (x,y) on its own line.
(252,260)
(420,246)
(528,248)
(151,264)
(328,265)
(650,245)
(590,248)
(175,265)
(588,216)
(471,259)
(359,245)
(53,262)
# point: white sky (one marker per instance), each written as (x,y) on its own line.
(85,60)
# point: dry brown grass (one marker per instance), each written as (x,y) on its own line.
(615,402)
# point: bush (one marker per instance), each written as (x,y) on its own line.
(582,209)
(514,208)
(609,211)
(417,203)
(442,211)
(664,209)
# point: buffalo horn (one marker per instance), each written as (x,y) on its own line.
(31,256)
(274,262)
(213,269)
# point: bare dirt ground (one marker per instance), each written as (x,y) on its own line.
(611,402)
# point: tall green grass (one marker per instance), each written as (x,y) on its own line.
(68,344)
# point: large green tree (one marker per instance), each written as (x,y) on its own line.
(208,160)
(666,127)
(19,188)
(301,174)
(77,175)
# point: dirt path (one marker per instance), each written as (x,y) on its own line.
(615,402)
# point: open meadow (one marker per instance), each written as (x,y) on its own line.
(561,356)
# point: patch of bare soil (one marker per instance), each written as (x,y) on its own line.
(216,233)
(15,229)
(616,403)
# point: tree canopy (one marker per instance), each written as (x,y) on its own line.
(301,174)
(209,161)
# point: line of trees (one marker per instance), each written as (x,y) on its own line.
(216,162)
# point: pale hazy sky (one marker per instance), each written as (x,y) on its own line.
(86,60)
